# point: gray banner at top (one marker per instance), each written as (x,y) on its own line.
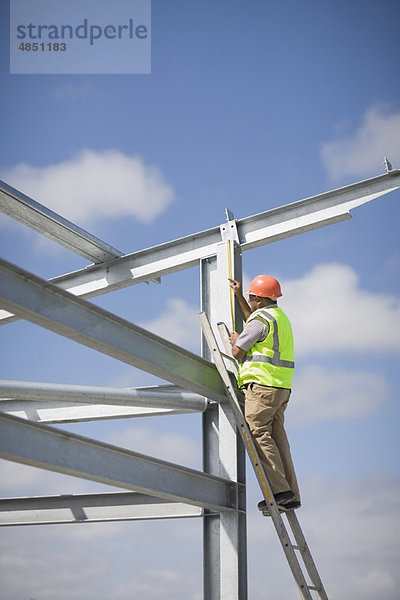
(55,37)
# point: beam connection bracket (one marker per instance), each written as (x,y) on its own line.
(229,229)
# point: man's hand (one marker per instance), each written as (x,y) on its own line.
(237,290)
(236,287)
(233,337)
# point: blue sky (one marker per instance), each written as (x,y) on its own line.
(248,106)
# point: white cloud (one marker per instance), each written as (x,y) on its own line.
(173,447)
(151,560)
(326,394)
(330,313)
(362,152)
(94,185)
(14,476)
(374,584)
(19,479)
(179,324)
(147,586)
(351,526)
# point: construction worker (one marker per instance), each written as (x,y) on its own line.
(265,352)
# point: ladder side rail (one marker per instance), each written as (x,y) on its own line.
(259,471)
(306,554)
(223,331)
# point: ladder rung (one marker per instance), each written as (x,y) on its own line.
(230,358)
(300,548)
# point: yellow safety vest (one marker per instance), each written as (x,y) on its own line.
(270,362)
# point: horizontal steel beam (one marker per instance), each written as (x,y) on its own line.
(73,412)
(48,306)
(17,205)
(161,396)
(48,448)
(56,403)
(250,232)
(91,508)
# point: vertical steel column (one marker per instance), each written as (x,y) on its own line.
(225,547)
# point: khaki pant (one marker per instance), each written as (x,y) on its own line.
(264,411)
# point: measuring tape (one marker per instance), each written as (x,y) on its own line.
(232,297)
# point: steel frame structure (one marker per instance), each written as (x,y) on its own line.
(153,488)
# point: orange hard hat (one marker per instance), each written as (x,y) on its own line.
(265,286)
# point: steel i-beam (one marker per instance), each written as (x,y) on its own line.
(251,232)
(48,306)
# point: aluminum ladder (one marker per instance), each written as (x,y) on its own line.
(293,551)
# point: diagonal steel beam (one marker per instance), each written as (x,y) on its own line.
(48,306)
(49,448)
(91,508)
(17,205)
(256,230)
(314,212)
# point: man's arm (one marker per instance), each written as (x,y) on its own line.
(237,352)
(243,306)
(255,331)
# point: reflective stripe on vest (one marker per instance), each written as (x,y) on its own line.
(254,367)
(276,359)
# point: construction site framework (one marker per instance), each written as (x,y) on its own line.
(153,488)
